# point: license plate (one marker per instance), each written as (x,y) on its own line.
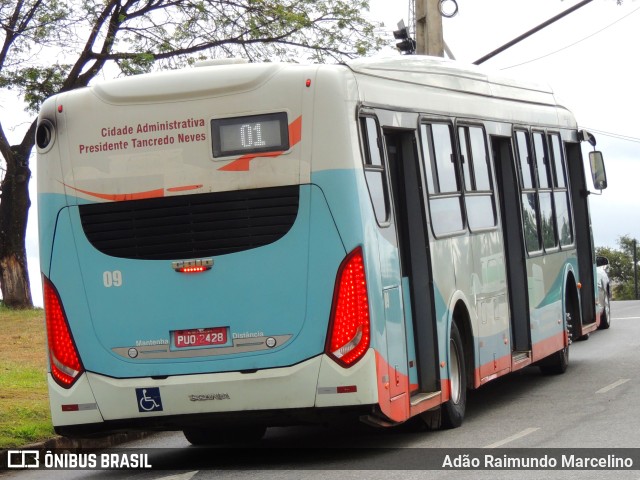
(200,337)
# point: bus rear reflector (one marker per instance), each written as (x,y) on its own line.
(349,327)
(66,366)
(192,269)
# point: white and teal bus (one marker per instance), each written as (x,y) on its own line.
(237,246)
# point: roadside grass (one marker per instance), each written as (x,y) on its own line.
(24,401)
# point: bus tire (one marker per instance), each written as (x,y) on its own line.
(232,435)
(452,411)
(558,362)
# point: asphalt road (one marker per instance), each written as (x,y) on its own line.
(595,404)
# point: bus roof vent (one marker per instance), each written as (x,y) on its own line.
(220,61)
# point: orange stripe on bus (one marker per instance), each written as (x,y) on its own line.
(243,163)
(295,131)
(184,189)
(119,197)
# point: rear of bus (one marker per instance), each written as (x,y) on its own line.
(194,273)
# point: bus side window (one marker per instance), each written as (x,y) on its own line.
(479,199)
(374,169)
(547,217)
(442,178)
(524,159)
(529,196)
(560,192)
(541,160)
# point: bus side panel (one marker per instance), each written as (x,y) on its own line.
(51,198)
(472,276)
(49,207)
(444,288)
(487,292)
(547,283)
(354,217)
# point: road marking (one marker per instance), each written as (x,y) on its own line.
(181,476)
(516,436)
(627,318)
(613,385)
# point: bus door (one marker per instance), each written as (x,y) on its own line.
(411,228)
(514,246)
(583,238)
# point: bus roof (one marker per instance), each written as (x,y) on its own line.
(451,75)
(414,69)
(190,83)
(399,81)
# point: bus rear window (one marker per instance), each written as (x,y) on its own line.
(250,134)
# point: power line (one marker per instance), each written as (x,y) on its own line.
(572,44)
(532,31)
(614,135)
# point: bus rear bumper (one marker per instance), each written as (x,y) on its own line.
(302,393)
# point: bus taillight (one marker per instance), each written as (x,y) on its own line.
(349,330)
(66,366)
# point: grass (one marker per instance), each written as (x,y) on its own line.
(24,401)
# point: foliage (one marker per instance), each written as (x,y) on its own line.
(620,269)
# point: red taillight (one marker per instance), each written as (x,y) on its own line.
(349,331)
(66,366)
(192,269)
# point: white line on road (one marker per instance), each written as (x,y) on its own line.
(613,385)
(516,436)
(627,318)
(181,476)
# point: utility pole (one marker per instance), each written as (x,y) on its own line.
(429,37)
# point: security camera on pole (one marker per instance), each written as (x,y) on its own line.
(406,45)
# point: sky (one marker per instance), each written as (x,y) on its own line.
(588,58)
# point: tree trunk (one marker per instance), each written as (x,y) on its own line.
(16,291)
(14,211)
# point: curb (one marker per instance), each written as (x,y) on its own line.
(65,443)
(59,442)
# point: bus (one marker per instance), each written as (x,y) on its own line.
(236,246)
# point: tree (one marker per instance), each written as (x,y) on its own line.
(620,269)
(84,37)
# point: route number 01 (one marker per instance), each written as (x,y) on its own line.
(251,135)
(112,279)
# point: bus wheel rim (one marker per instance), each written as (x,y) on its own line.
(454,372)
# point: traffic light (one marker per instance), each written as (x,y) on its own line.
(407,45)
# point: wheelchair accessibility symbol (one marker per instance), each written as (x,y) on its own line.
(149,399)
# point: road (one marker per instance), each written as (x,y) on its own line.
(594,404)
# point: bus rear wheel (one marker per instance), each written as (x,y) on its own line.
(453,410)
(558,362)
(219,436)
